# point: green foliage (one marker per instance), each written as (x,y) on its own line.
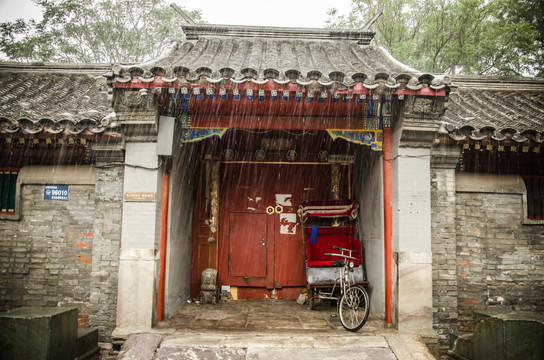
(113,31)
(499,37)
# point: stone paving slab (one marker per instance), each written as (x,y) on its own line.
(321,354)
(274,346)
(194,340)
(363,341)
(273,340)
(195,352)
(408,347)
(140,347)
(243,330)
(173,352)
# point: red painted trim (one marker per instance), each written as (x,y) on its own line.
(358,88)
(388,220)
(421,92)
(10,169)
(279,122)
(164,228)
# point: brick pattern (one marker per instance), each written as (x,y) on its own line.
(443,200)
(66,252)
(499,260)
(483,255)
(105,265)
(46,257)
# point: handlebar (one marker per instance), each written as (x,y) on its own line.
(342,249)
(341,255)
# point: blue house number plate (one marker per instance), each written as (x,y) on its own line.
(55,192)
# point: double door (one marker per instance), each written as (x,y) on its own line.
(260,241)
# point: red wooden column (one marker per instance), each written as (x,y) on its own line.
(164,233)
(388,219)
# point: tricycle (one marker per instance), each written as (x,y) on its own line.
(334,261)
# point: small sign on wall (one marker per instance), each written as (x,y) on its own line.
(56,192)
(139,196)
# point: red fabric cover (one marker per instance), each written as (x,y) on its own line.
(329,209)
(325,240)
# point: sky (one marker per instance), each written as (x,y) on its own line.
(288,13)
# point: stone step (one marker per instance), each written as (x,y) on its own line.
(479,315)
(38,333)
(510,335)
(87,343)
(500,334)
(461,346)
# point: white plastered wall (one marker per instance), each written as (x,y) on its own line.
(138,257)
(368,190)
(178,263)
(411,242)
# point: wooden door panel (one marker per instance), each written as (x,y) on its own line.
(248,248)
(247,190)
(289,262)
(244,226)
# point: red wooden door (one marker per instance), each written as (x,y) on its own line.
(246,239)
(260,241)
(250,251)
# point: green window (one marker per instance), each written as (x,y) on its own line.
(8,182)
(535,198)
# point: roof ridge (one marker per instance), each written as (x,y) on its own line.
(193,32)
(498,83)
(49,68)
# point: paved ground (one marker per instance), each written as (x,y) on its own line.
(268,329)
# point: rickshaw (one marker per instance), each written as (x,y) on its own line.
(334,259)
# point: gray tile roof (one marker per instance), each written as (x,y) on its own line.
(73,98)
(53,98)
(498,108)
(244,53)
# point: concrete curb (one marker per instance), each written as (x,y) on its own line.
(245,346)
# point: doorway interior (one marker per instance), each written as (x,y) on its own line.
(248,188)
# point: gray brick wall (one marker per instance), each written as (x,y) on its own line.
(443,201)
(499,259)
(66,252)
(46,257)
(484,255)
(105,265)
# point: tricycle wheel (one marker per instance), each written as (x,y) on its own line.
(353,308)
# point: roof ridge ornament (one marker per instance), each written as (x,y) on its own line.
(183,14)
(371,22)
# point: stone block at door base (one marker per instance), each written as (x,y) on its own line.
(37,333)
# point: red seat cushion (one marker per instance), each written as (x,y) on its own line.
(325,239)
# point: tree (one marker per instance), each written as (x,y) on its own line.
(521,23)
(93,31)
(397,28)
(502,37)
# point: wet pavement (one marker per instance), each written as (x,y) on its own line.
(267,329)
(261,315)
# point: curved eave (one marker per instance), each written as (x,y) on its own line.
(68,127)
(54,99)
(311,89)
(499,109)
(327,63)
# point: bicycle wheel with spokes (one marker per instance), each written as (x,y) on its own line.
(354,308)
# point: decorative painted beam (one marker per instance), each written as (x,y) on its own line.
(372,138)
(194,134)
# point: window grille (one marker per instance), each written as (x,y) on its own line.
(535,198)
(8,182)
